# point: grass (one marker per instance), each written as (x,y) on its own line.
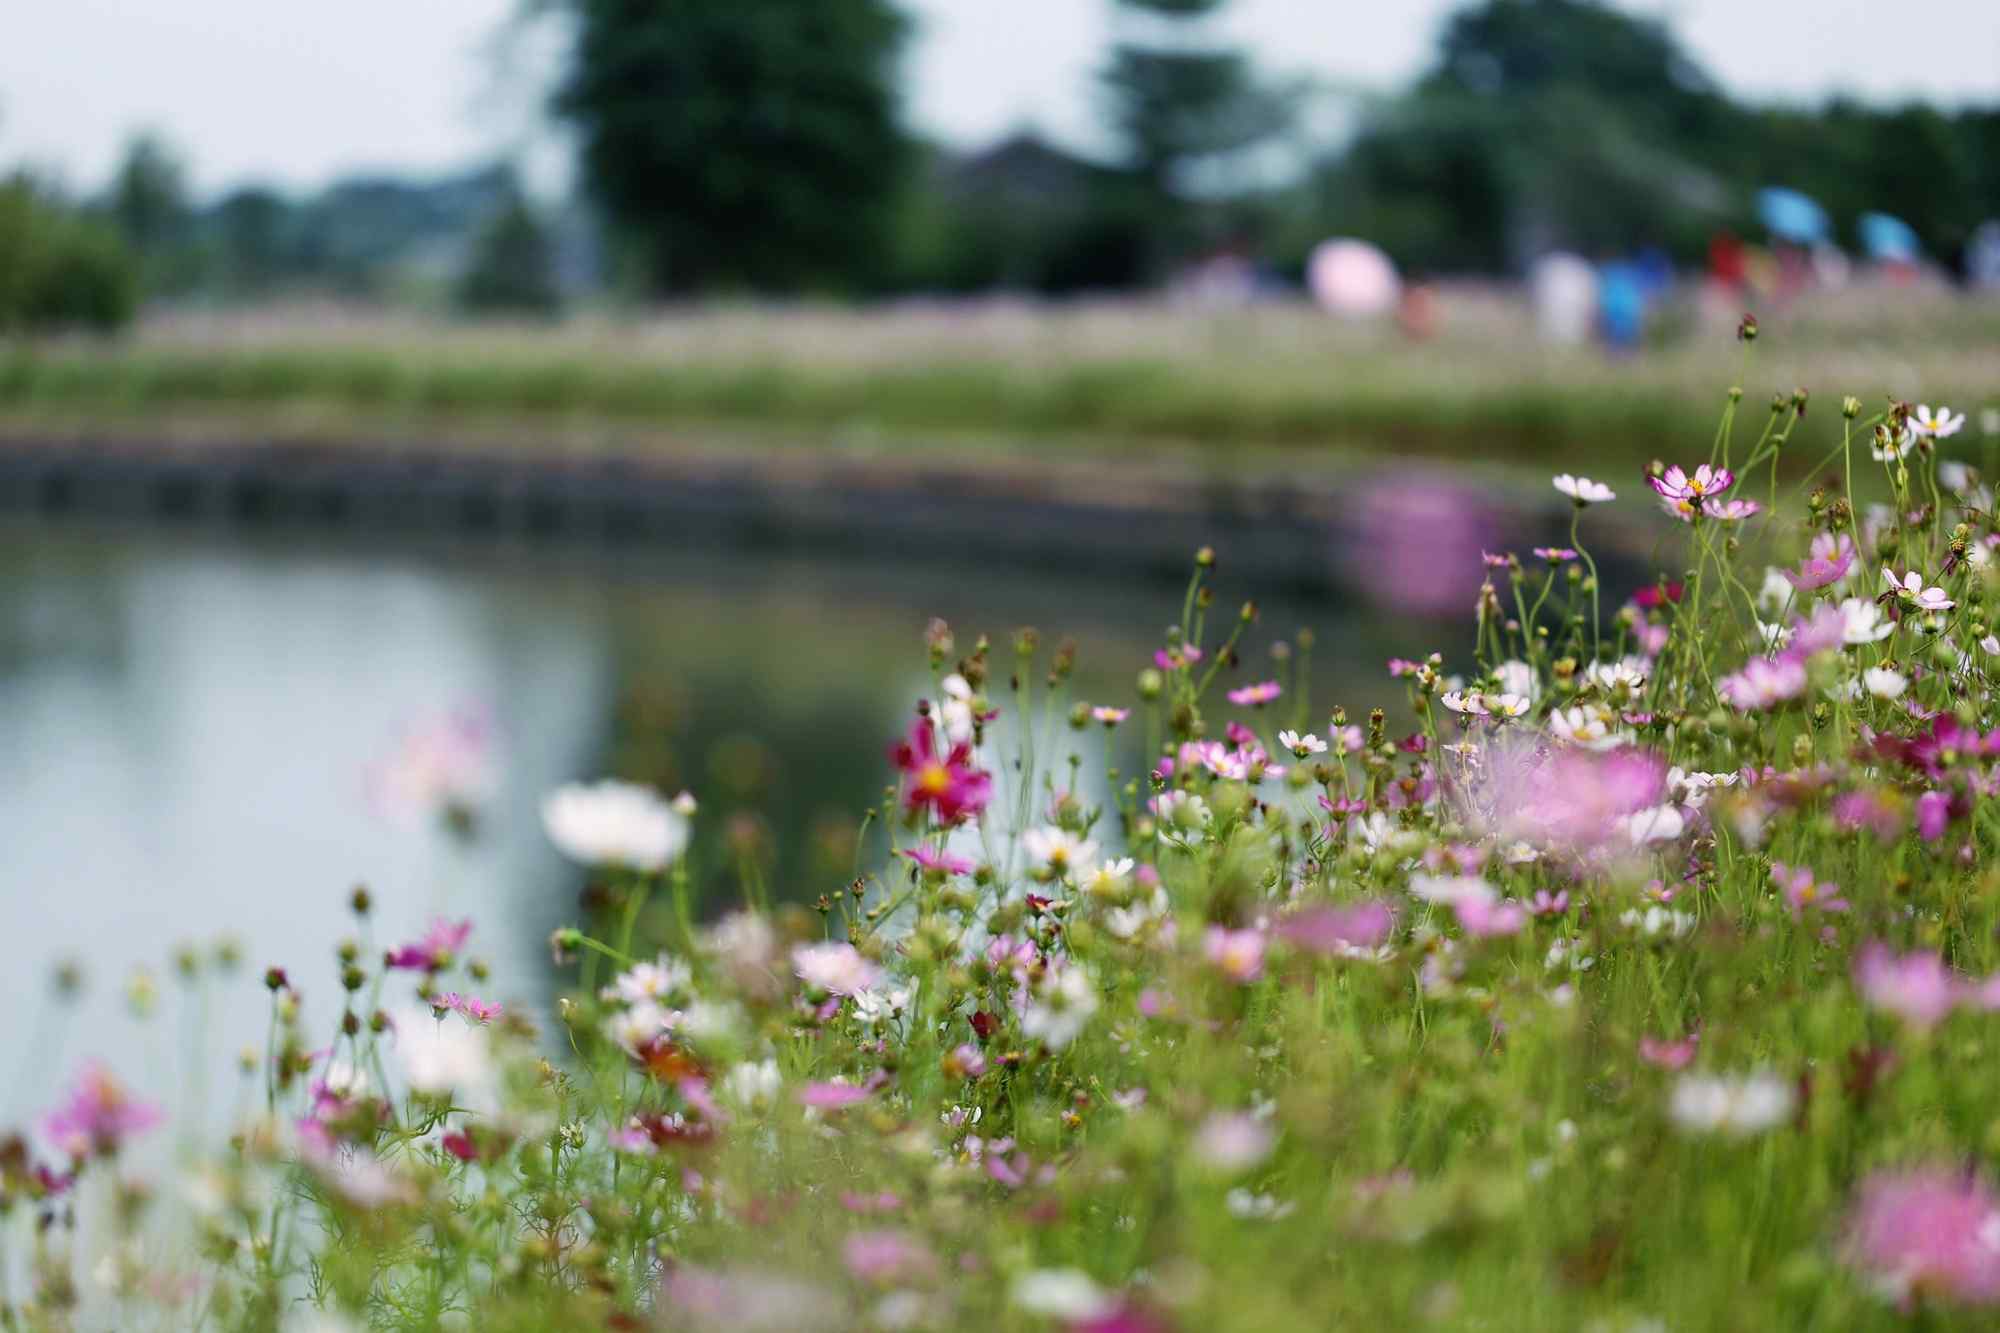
(1109,377)
(1650,981)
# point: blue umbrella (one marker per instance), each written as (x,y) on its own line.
(1888,238)
(1791,216)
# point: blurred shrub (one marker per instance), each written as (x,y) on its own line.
(512,269)
(58,268)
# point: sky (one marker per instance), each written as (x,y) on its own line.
(282,93)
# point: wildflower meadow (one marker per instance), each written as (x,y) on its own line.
(1642,973)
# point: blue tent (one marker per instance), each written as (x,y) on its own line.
(1888,239)
(1791,216)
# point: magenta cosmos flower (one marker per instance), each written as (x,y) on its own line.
(947,784)
(1927,1233)
(435,951)
(99,1116)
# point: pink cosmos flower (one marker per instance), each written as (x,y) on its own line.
(473,1010)
(886,1256)
(1484,916)
(99,1116)
(1763,684)
(436,950)
(443,765)
(1824,631)
(835,967)
(1826,564)
(834,1096)
(1928,1232)
(884,1201)
(1545,903)
(1729,511)
(1669,1054)
(965,1061)
(1233,1141)
(1110,716)
(1916,987)
(938,861)
(1239,954)
(948,785)
(1796,883)
(1256,696)
(1706,481)
(1327,929)
(1569,799)
(1555,555)
(1173,659)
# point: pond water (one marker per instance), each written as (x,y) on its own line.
(189,718)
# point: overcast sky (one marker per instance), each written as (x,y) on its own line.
(295,93)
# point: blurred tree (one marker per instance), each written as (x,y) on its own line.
(60,269)
(148,203)
(512,270)
(746,143)
(1184,108)
(250,227)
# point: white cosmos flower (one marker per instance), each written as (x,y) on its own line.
(1885,682)
(1108,879)
(614,823)
(1939,425)
(1059,853)
(1657,921)
(1583,490)
(835,967)
(1910,588)
(1776,593)
(1517,677)
(1628,674)
(1507,705)
(441,1056)
(1739,1106)
(655,982)
(1462,701)
(1660,823)
(1184,812)
(1061,1006)
(955,710)
(1302,746)
(1591,728)
(879,1003)
(1126,922)
(753,1083)
(1451,890)
(1899,449)
(1691,788)
(634,1028)
(1061,1293)
(1864,622)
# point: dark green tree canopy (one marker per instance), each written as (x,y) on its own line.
(753,144)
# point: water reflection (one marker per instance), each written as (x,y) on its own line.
(189,722)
